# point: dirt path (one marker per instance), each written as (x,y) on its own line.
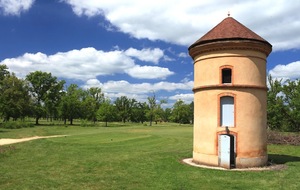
(12,141)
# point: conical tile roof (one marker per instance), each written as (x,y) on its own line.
(229,29)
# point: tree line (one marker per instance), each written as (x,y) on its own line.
(41,95)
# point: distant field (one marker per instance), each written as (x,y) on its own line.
(130,156)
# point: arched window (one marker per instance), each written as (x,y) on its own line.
(226,75)
(227,111)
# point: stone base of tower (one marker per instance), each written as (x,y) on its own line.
(251,162)
(204,159)
(213,160)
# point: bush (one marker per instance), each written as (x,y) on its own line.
(86,123)
(16,125)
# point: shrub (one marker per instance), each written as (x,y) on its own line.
(16,125)
(86,123)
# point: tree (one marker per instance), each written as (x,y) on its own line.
(107,112)
(291,91)
(14,99)
(155,112)
(181,112)
(152,108)
(43,88)
(283,105)
(3,72)
(91,103)
(53,98)
(167,114)
(138,113)
(70,106)
(124,107)
(275,104)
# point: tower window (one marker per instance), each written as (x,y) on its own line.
(227,111)
(226,75)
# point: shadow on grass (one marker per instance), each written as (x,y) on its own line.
(282,159)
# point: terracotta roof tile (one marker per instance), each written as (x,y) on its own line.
(228,29)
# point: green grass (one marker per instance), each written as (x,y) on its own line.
(127,156)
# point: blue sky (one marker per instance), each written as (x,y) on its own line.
(135,48)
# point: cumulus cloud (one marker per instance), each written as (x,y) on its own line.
(15,7)
(140,91)
(149,72)
(187,98)
(138,88)
(149,55)
(289,71)
(183,23)
(87,63)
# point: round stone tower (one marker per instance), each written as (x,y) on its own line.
(230,97)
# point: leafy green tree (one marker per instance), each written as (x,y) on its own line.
(291,91)
(92,100)
(124,107)
(155,112)
(53,98)
(14,99)
(275,102)
(152,108)
(107,112)
(71,103)
(159,113)
(43,88)
(3,72)
(167,114)
(181,112)
(138,113)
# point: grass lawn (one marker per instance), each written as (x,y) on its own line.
(127,157)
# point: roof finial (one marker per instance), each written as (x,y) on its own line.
(228,14)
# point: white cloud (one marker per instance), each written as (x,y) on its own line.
(187,98)
(149,55)
(84,64)
(15,7)
(140,91)
(183,23)
(93,83)
(171,86)
(289,71)
(182,54)
(149,72)
(137,88)
(167,58)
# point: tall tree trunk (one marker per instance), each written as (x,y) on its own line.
(37,120)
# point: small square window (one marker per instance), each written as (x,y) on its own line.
(226,75)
